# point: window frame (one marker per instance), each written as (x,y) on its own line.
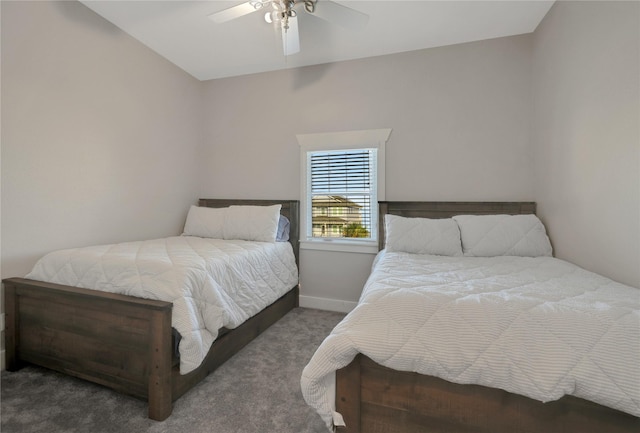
(336,141)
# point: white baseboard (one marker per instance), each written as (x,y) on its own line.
(327,304)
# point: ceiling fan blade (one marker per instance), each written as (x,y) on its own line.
(291,37)
(340,14)
(234,12)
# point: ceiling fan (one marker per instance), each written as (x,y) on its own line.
(284,15)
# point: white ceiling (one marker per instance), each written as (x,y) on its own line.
(181,31)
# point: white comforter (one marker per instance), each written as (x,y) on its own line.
(539,327)
(212,283)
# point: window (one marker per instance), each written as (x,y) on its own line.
(342,186)
(342,180)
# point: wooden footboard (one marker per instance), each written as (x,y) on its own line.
(118,341)
(122,342)
(373,398)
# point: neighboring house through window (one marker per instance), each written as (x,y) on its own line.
(335,216)
(342,181)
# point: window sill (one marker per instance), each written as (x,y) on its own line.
(341,246)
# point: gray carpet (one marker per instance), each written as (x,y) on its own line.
(256,391)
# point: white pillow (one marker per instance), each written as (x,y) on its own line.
(205,222)
(422,235)
(503,235)
(252,223)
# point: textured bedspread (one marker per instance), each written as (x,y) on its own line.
(212,283)
(539,327)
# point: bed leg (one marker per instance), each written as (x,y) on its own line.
(12,324)
(160,397)
(348,387)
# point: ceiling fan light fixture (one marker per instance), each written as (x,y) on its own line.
(284,14)
(274,17)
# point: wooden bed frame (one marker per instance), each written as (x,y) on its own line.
(377,399)
(122,342)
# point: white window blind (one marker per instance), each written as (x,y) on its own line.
(342,187)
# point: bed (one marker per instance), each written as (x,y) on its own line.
(364,377)
(128,343)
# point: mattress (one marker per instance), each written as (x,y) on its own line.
(212,283)
(539,327)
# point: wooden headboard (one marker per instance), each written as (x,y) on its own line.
(290,209)
(447,209)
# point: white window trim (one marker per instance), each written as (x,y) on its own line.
(369,138)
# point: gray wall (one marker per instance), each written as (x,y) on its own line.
(99,134)
(586,137)
(460,117)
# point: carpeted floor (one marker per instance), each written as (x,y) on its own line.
(256,391)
